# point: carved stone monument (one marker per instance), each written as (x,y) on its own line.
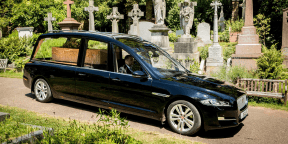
(235,9)
(185,46)
(243,5)
(248,48)
(135,14)
(215,59)
(69,23)
(91,8)
(203,32)
(159,32)
(25,31)
(285,37)
(115,16)
(222,20)
(50,19)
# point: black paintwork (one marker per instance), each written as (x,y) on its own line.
(109,89)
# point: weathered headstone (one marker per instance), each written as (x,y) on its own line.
(25,31)
(285,37)
(215,59)
(248,48)
(243,5)
(115,16)
(135,14)
(235,9)
(222,20)
(144,29)
(91,8)
(185,46)
(49,19)
(203,32)
(69,23)
(179,32)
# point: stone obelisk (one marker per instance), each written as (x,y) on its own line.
(285,37)
(248,48)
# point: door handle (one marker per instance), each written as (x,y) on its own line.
(116,79)
(81,74)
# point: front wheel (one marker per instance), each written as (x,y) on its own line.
(183,117)
(42,91)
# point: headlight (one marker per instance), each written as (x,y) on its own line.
(214,102)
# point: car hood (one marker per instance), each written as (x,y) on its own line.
(208,83)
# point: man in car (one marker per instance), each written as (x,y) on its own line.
(127,67)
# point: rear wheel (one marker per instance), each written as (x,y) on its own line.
(183,117)
(42,91)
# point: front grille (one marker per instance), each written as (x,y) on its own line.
(241,102)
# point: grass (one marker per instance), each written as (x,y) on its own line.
(270,105)
(109,129)
(11,74)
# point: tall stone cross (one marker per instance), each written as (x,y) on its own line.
(115,16)
(135,14)
(91,9)
(50,19)
(215,5)
(68,3)
(243,5)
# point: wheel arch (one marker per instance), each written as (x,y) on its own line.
(35,79)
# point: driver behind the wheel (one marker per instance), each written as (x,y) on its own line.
(127,67)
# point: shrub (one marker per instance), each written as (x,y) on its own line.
(270,63)
(224,36)
(172,37)
(228,51)
(236,26)
(203,52)
(195,67)
(262,25)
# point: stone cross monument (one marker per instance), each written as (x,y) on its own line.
(160,11)
(285,37)
(221,20)
(91,9)
(248,48)
(243,5)
(135,14)
(50,19)
(187,16)
(69,23)
(115,16)
(215,59)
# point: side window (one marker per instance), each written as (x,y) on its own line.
(124,62)
(62,50)
(96,55)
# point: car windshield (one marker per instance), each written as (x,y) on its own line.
(156,58)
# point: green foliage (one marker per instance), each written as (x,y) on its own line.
(195,67)
(20,62)
(72,43)
(97,45)
(270,63)
(231,74)
(228,50)
(262,25)
(236,26)
(224,36)
(203,52)
(173,18)
(45,50)
(172,37)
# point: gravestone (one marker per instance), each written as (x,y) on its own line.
(115,16)
(144,29)
(135,14)
(235,9)
(285,37)
(203,32)
(186,46)
(248,48)
(49,19)
(215,59)
(179,32)
(91,8)
(243,5)
(25,31)
(69,23)
(222,20)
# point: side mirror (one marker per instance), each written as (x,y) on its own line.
(139,74)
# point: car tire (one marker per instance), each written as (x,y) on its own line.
(183,117)
(42,91)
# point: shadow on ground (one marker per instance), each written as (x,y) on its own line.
(212,134)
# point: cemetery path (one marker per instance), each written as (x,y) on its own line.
(261,126)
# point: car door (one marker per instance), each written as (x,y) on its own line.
(130,93)
(92,78)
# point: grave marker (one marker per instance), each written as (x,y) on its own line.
(135,14)
(69,23)
(91,8)
(285,37)
(49,19)
(115,16)
(221,20)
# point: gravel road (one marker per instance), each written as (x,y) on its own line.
(261,126)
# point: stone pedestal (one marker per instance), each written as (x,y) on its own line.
(185,50)
(25,31)
(215,59)
(69,24)
(159,36)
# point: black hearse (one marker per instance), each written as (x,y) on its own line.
(87,67)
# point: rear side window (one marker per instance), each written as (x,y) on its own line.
(63,50)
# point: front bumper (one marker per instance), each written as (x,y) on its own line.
(219,118)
